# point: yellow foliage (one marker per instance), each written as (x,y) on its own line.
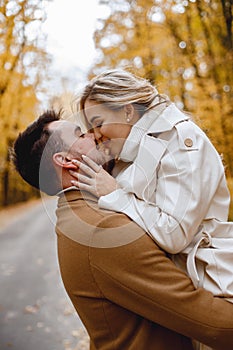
(230,185)
(22,65)
(185,49)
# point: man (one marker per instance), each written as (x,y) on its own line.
(128,294)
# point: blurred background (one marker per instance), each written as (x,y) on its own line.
(49,48)
(48,51)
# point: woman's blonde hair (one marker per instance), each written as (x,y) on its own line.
(117,87)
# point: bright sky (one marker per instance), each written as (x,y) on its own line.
(70,26)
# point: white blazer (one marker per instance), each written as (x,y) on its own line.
(175,189)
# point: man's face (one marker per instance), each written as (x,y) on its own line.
(78,143)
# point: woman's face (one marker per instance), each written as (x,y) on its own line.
(110,127)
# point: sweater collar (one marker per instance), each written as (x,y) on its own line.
(73,193)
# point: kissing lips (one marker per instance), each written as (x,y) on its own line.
(103,147)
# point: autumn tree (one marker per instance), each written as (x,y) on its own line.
(22,70)
(185,48)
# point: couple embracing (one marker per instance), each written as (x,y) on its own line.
(143,238)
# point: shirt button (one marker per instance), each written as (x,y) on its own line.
(188,142)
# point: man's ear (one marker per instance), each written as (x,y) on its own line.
(62,160)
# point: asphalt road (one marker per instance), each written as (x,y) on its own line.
(35,312)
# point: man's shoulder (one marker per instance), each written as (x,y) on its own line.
(86,209)
(82,220)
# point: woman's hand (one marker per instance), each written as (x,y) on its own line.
(94,180)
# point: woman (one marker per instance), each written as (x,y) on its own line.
(170,179)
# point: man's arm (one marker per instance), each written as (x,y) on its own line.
(139,277)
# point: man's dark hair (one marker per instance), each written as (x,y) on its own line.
(32,154)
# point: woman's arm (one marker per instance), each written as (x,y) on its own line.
(186,185)
(148,216)
(183,196)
